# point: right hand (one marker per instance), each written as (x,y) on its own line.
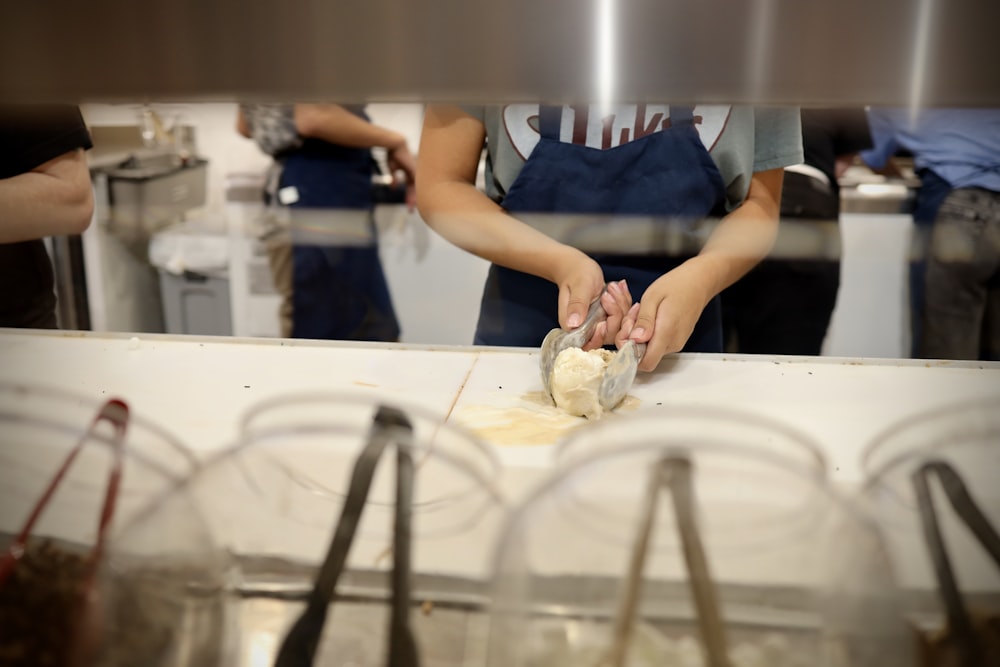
(581,281)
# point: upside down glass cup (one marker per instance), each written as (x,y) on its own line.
(700,537)
(65,516)
(272,501)
(915,472)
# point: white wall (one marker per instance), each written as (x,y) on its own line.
(435,286)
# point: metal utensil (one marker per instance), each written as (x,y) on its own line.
(402,644)
(558,340)
(86,631)
(678,478)
(674,474)
(620,374)
(299,646)
(968,643)
(116,413)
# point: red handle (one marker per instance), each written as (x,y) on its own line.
(116,413)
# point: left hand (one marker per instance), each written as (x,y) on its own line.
(667,314)
(616,302)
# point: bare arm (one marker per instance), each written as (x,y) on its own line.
(53,199)
(450,147)
(745,236)
(671,306)
(337,125)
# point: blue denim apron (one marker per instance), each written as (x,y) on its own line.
(339,292)
(667,173)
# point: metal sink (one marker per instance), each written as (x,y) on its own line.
(148,191)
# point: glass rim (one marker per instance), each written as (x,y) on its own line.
(161,437)
(92,405)
(483,479)
(876,465)
(507,536)
(246,433)
(815,457)
(131,454)
(230,453)
(242,443)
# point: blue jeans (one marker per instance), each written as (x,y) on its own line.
(933,190)
(961,315)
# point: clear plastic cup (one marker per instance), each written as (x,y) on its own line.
(797,577)
(965,437)
(271,503)
(40,427)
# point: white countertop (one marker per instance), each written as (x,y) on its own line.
(198,387)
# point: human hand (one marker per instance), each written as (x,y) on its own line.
(399,158)
(667,314)
(580,281)
(616,301)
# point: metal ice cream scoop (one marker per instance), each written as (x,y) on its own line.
(621,370)
(620,374)
(558,340)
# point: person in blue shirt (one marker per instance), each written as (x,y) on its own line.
(955,278)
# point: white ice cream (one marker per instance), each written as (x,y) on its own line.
(576,379)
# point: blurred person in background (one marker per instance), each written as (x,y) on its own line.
(784,306)
(955,273)
(332,287)
(45,190)
(641,160)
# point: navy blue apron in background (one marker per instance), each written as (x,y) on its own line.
(339,292)
(667,173)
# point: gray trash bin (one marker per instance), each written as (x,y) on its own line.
(194,281)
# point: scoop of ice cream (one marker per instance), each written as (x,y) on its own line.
(576,380)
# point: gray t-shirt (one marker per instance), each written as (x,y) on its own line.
(741,140)
(272,126)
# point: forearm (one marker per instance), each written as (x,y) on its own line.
(742,239)
(450,150)
(336,125)
(46,203)
(472,221)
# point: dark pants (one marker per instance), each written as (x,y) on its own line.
(961,313)
(784,306)
(933,190)
(781,307)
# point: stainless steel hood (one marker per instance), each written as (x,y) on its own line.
(842,52)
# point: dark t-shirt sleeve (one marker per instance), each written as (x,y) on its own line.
(31,135)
